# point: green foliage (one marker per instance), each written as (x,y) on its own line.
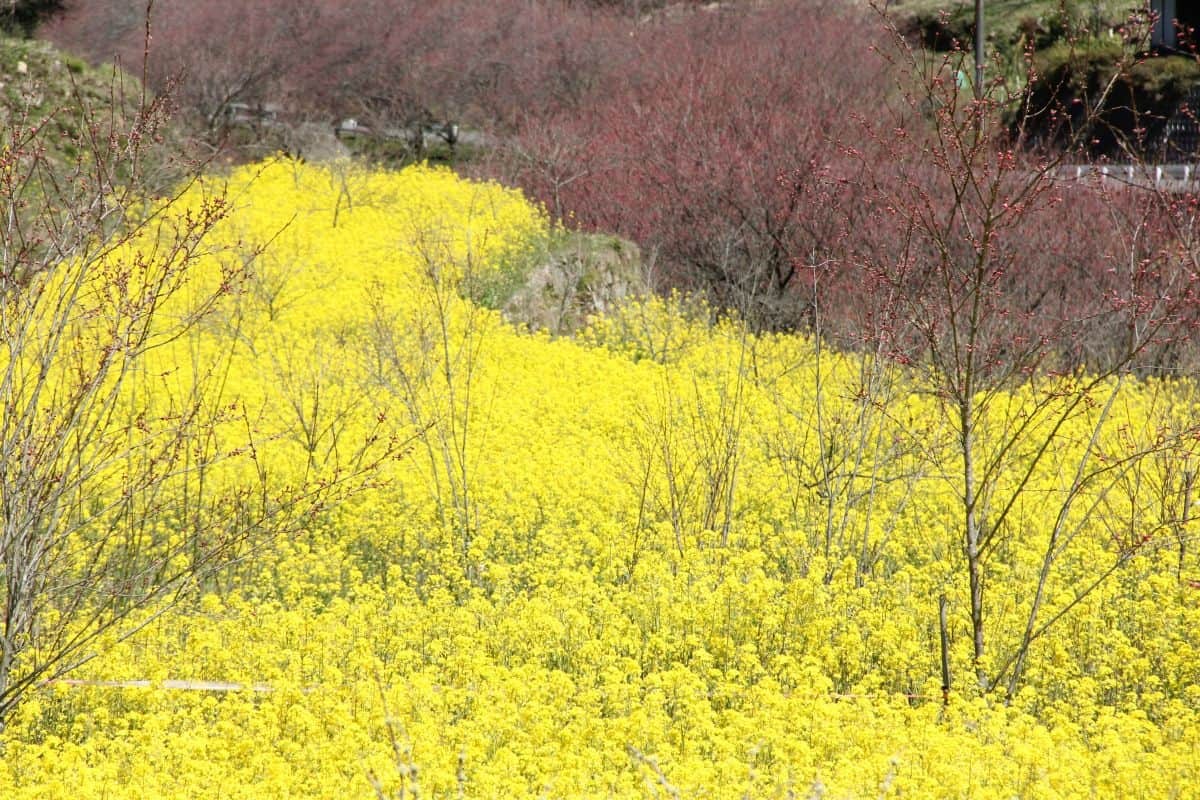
(1144,93)
(1007,22)
(23,16)
(1161,82)
(41,86)
(496,286)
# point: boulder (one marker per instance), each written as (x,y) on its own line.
(579,275)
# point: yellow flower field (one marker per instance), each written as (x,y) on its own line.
(663,558)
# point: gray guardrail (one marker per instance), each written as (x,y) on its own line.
(1166,177)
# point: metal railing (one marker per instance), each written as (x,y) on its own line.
(1162,177)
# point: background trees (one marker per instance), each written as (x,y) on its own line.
(706,154)
(390,64)
(671,128)
(710,134)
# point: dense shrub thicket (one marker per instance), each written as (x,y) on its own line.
(740,145)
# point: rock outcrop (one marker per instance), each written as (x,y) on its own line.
(580,275)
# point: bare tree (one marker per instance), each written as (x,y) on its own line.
(109,510)
(997,346)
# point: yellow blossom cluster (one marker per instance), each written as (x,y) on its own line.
(663,558)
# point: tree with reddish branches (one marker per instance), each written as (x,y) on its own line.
(686,152)
(1025,305)
(397,67)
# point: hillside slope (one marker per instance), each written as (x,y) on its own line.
(665,554)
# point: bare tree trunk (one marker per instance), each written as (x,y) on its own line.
(973,538)
(944,637)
